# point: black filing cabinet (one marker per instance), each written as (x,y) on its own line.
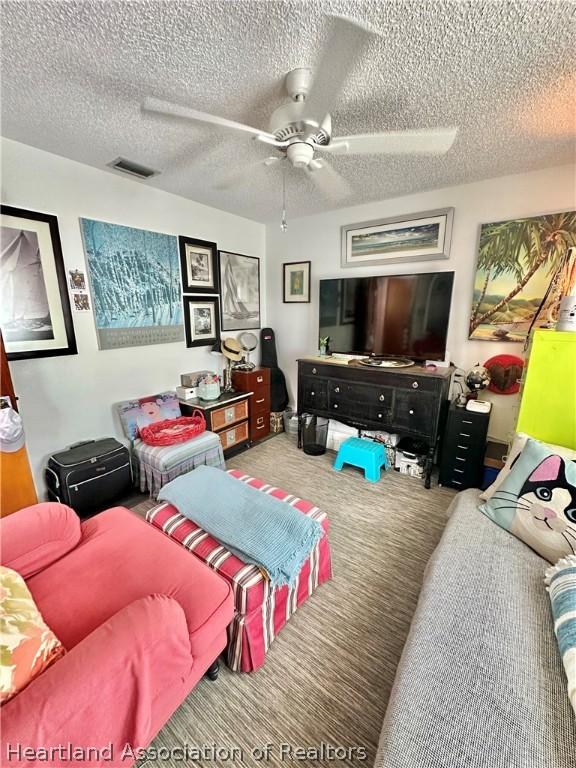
(464,445)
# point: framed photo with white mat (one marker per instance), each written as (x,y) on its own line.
(201,320)
(199,265)
(296,282)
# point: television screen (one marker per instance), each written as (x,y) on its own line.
(393,315)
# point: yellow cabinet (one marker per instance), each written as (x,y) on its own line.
(548,405)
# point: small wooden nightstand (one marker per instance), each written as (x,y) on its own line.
(258,383)
(228,417)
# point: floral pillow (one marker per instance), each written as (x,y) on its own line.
(537,501)
(27,645)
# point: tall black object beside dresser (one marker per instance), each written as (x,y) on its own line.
(409,401)
(463,448)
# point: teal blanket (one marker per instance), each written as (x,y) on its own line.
(256,527)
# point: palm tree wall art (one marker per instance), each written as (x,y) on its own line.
(524,268)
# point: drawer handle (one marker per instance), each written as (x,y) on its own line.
(458,458)
(381,398)
(312,394)
(259,379)
(464,447)
(262,427)
(335,405)
(262,400)
(411,412)
(337,390)
(467,422)
(414,385)
(379,415)
(314,370)
(456,482)
(261,419)
(464,434)
(460,471)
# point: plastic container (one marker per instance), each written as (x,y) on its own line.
(209,390)
(314,434)
(290,422)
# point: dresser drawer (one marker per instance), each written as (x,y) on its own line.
(315,369)
(461,477)
(462,448)
(260,403)
(258,419)
(414,412)
(415,383)
(229,414)
(260,427)
(312,393)
(234,435)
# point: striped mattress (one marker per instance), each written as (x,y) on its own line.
(260,610)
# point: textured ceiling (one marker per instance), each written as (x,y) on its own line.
(74,74)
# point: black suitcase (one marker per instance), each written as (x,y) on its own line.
(89,476)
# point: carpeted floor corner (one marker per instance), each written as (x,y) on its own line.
(328,675)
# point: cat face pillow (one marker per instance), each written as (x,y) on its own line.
(537,502)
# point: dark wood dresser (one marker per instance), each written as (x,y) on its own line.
(408,401)
(258,383)
(228,417)
(463,448)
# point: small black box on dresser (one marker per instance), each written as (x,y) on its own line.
(463,448)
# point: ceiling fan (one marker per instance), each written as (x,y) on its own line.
(300,130)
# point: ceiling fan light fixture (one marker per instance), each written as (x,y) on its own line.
(300,153)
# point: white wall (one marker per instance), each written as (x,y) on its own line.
(317,239)
(70,398)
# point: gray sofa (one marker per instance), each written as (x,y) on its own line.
(480,683)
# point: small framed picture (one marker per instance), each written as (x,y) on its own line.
(297,282)
(201,320)
(199,265)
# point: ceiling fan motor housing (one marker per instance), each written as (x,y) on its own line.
(289,120)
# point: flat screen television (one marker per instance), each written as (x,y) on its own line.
(387,316)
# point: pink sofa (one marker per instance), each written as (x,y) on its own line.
(142,622)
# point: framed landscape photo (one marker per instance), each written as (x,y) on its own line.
(417,237)
(201,320)
(35,315)
(296,282)
(240,291)
(199,265)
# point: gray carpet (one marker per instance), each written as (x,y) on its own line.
(329,673)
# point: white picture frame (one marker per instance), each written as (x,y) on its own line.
(417,237)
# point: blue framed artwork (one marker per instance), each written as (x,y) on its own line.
(134,277)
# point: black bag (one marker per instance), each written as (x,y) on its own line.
(269,359)
(89,476)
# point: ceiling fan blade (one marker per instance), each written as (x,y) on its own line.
(169,109)
(242,174)
(346,43)
(434,141)
(328,180)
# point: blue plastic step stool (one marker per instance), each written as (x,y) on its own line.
(366,454)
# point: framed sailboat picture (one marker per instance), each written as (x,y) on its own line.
(239,291)
(35,315)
